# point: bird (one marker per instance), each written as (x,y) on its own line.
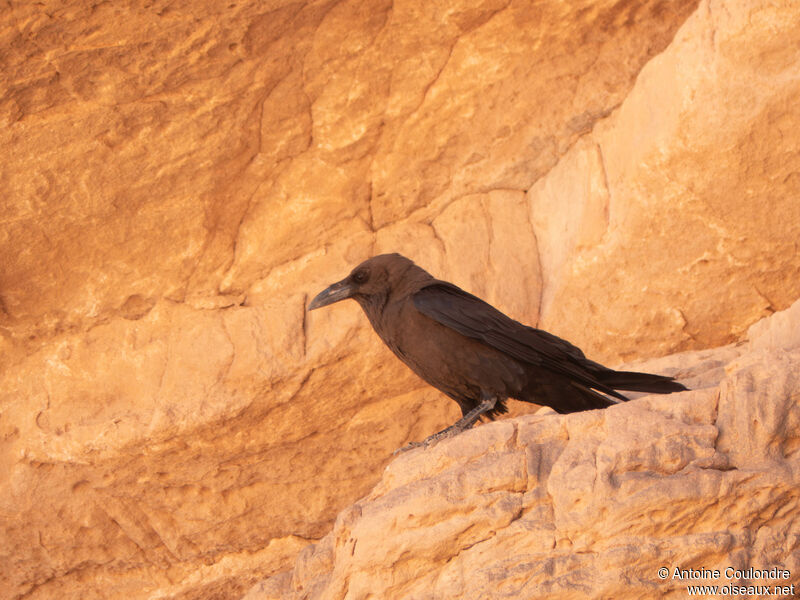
(474,353)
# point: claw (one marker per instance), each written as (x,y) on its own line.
(410,446)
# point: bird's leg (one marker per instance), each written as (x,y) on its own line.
(468,420)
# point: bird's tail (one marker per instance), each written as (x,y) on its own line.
(640,382)
(567,396)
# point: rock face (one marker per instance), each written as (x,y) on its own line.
(178,178)
(672,165)
(588,505)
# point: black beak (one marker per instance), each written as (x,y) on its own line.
(338,291)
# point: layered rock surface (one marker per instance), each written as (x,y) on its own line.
(178,178)
(592,504)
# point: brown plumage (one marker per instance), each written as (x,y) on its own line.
(474,353)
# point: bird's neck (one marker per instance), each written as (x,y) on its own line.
(373,306)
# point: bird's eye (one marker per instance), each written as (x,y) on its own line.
(360,276)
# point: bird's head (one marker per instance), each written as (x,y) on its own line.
(371,280)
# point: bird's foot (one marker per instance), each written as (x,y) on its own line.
(431,440)
(462,424)
(407,447)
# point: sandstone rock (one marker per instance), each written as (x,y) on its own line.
(586,505)
(178,178)
(674,191)
(209,137)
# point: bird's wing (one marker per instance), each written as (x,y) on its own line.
(470,316)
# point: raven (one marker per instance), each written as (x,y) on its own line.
(472,352)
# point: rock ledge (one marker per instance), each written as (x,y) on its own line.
(549,506)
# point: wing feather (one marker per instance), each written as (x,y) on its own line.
(451,306)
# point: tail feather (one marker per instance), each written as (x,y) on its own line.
(573,398)
(640,382)
(567,396)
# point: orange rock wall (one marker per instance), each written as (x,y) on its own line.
(178,178)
